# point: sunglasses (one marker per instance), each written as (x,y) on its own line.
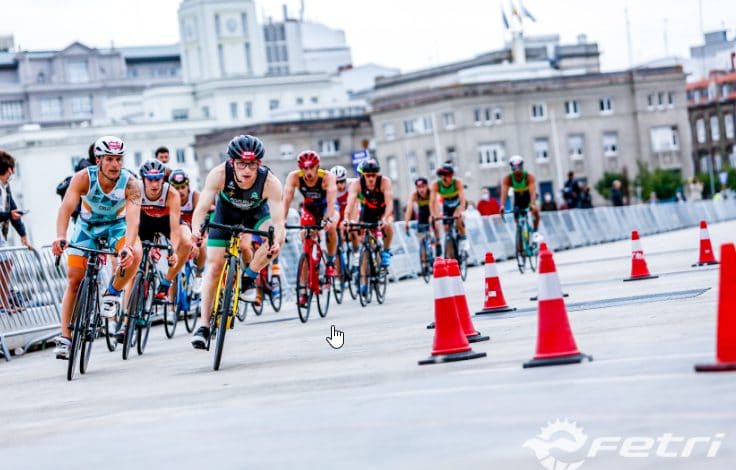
(179,185)
(154,177)
(370,175)
(241,165)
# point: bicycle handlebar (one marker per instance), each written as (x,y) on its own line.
(304,227)
(359,225)
(238,229)
(86,250)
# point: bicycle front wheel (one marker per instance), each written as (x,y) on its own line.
(379,277)
(171,319)
(227,306)
(325,290)
(450,248)
(424,261)
(91,329)
(143,324)
(275,296)
(520,254)
(78,314)
(135,311)
(365,292)
(303,292)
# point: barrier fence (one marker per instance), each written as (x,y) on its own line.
(31,287)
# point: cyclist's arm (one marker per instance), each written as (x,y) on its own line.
(460,186)
(195,198)
(409,208)
(174,203)
(331,188)
(273,192)
(434,204)
(77,187)
(504,191)
(289,187)
(212,185)
(351,209)
(532,181)
(133,200)
(388,197)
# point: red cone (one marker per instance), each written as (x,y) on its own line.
(555,342)
(639,269)
(494,299)
(461,303)
(707,256)
(726,328)
(542,248)
(450,342)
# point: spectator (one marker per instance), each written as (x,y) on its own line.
(9,214)
(653,198)
(81,165)
(488,205)
(162,155)
(617,196)
(694,191)
(586,200)
(549,204)
(571,191)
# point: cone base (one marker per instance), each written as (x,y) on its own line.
(641,278)
(534,299)
(430,326)
(718,367)
(477,338)
(463,356)
(557,361)
(488,311)
(707,263)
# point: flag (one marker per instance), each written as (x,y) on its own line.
(504,18)
(527,14)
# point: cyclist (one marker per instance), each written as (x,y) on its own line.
(524,185)
(111,201)
(162,154)
(189,198)
(318,188)
(245,192)
(451,192)
(373,196)
(418,203)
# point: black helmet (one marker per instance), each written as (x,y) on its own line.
(445,169)
(246,147)
(178,177)
(421,179)
(369,166)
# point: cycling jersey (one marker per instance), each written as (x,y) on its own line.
(450,197)
(372,201)
(315,196)
(155,215)
(342,202)
(187,209)
(522,196)
(423,211)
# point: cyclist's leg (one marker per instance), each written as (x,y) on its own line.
(261,256)
(460,222)
(210,278)
(536,216)
(75,274)
(182,252)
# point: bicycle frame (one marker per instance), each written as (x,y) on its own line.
(311,245)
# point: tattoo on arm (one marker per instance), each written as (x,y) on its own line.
(133,189)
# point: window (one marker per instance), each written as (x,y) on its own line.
(41,77)
(314,99)
(81,106)
(244,23)
(541,149)
(610,144)
(449,120)
(218,30)
(179,114)
(11,110)
(497,115)
(431,161)
(181,156)
(427,124)
(221,58)
(233,111)
(411,164)
(393,168)
(660,100)
(77,71)
(451,154)
(491,155)
(287,151)
(488,114)
(715,129)
(478,113)
(575,145)
(670,99)
(728,124)
(299,101)
(605,105)
(138,156)
(329,147)
(248,62)
(273,104)
(572,109)
(664,138)
(51,108)
(650,101)
(409,127)
(389,133)
(539,111)
(700,130)
(206,112)
(248,108)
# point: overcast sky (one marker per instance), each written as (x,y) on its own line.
(407,34)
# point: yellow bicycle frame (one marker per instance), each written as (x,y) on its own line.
(233,250)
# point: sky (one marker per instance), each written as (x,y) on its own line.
(407,34)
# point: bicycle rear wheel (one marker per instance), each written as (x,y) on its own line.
(325,291)
(135,309)
(379,278)
(349,275)
(450,251)
(338,282)
(520,254)
(303,292)
(227,308)
(78,313)
(424,261)
(110,323)
(365,292)
(143,325)
(91,331)
(463,262)
(171,319)
(275,295)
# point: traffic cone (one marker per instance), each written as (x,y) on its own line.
(450,343)
(707,257)
(461,303)
(542,248)
(555,342)
(726,327)
(494,299)
(639,269)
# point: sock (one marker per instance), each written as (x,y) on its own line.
(165,283)
(276,260)
(250,273)
(330,258)
(113,291)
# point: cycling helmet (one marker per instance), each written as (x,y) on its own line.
(109,145)
(421,179)
(179,178)
(152,169)
(445,169)
(516,162)
(340,173)
(307,159)
(369,166)
(246,147)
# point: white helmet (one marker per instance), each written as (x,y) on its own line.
(109,145)
(340,172)
(516,162)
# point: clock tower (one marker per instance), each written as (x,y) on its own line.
(220,39)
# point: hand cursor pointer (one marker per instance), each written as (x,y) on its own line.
(336,338)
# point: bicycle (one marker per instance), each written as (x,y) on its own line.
(310,275)
(226,298)
(371,276)
(269,286)
(141,302)
(186,302)
(452,244)
(344,275)
(526,249)
(426,252)
(86,320)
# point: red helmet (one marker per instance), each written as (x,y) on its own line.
(307,218)
(307,159)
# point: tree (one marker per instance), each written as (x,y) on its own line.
(603,186)
(665,183)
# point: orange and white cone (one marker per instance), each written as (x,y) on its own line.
(461,303)
(542,248)
(706,257)
(494,299)
(639,269)
(450,343)
(555,342)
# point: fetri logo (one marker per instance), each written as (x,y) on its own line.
(247,155)
(115,145)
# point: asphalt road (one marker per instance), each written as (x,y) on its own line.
(285,399)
